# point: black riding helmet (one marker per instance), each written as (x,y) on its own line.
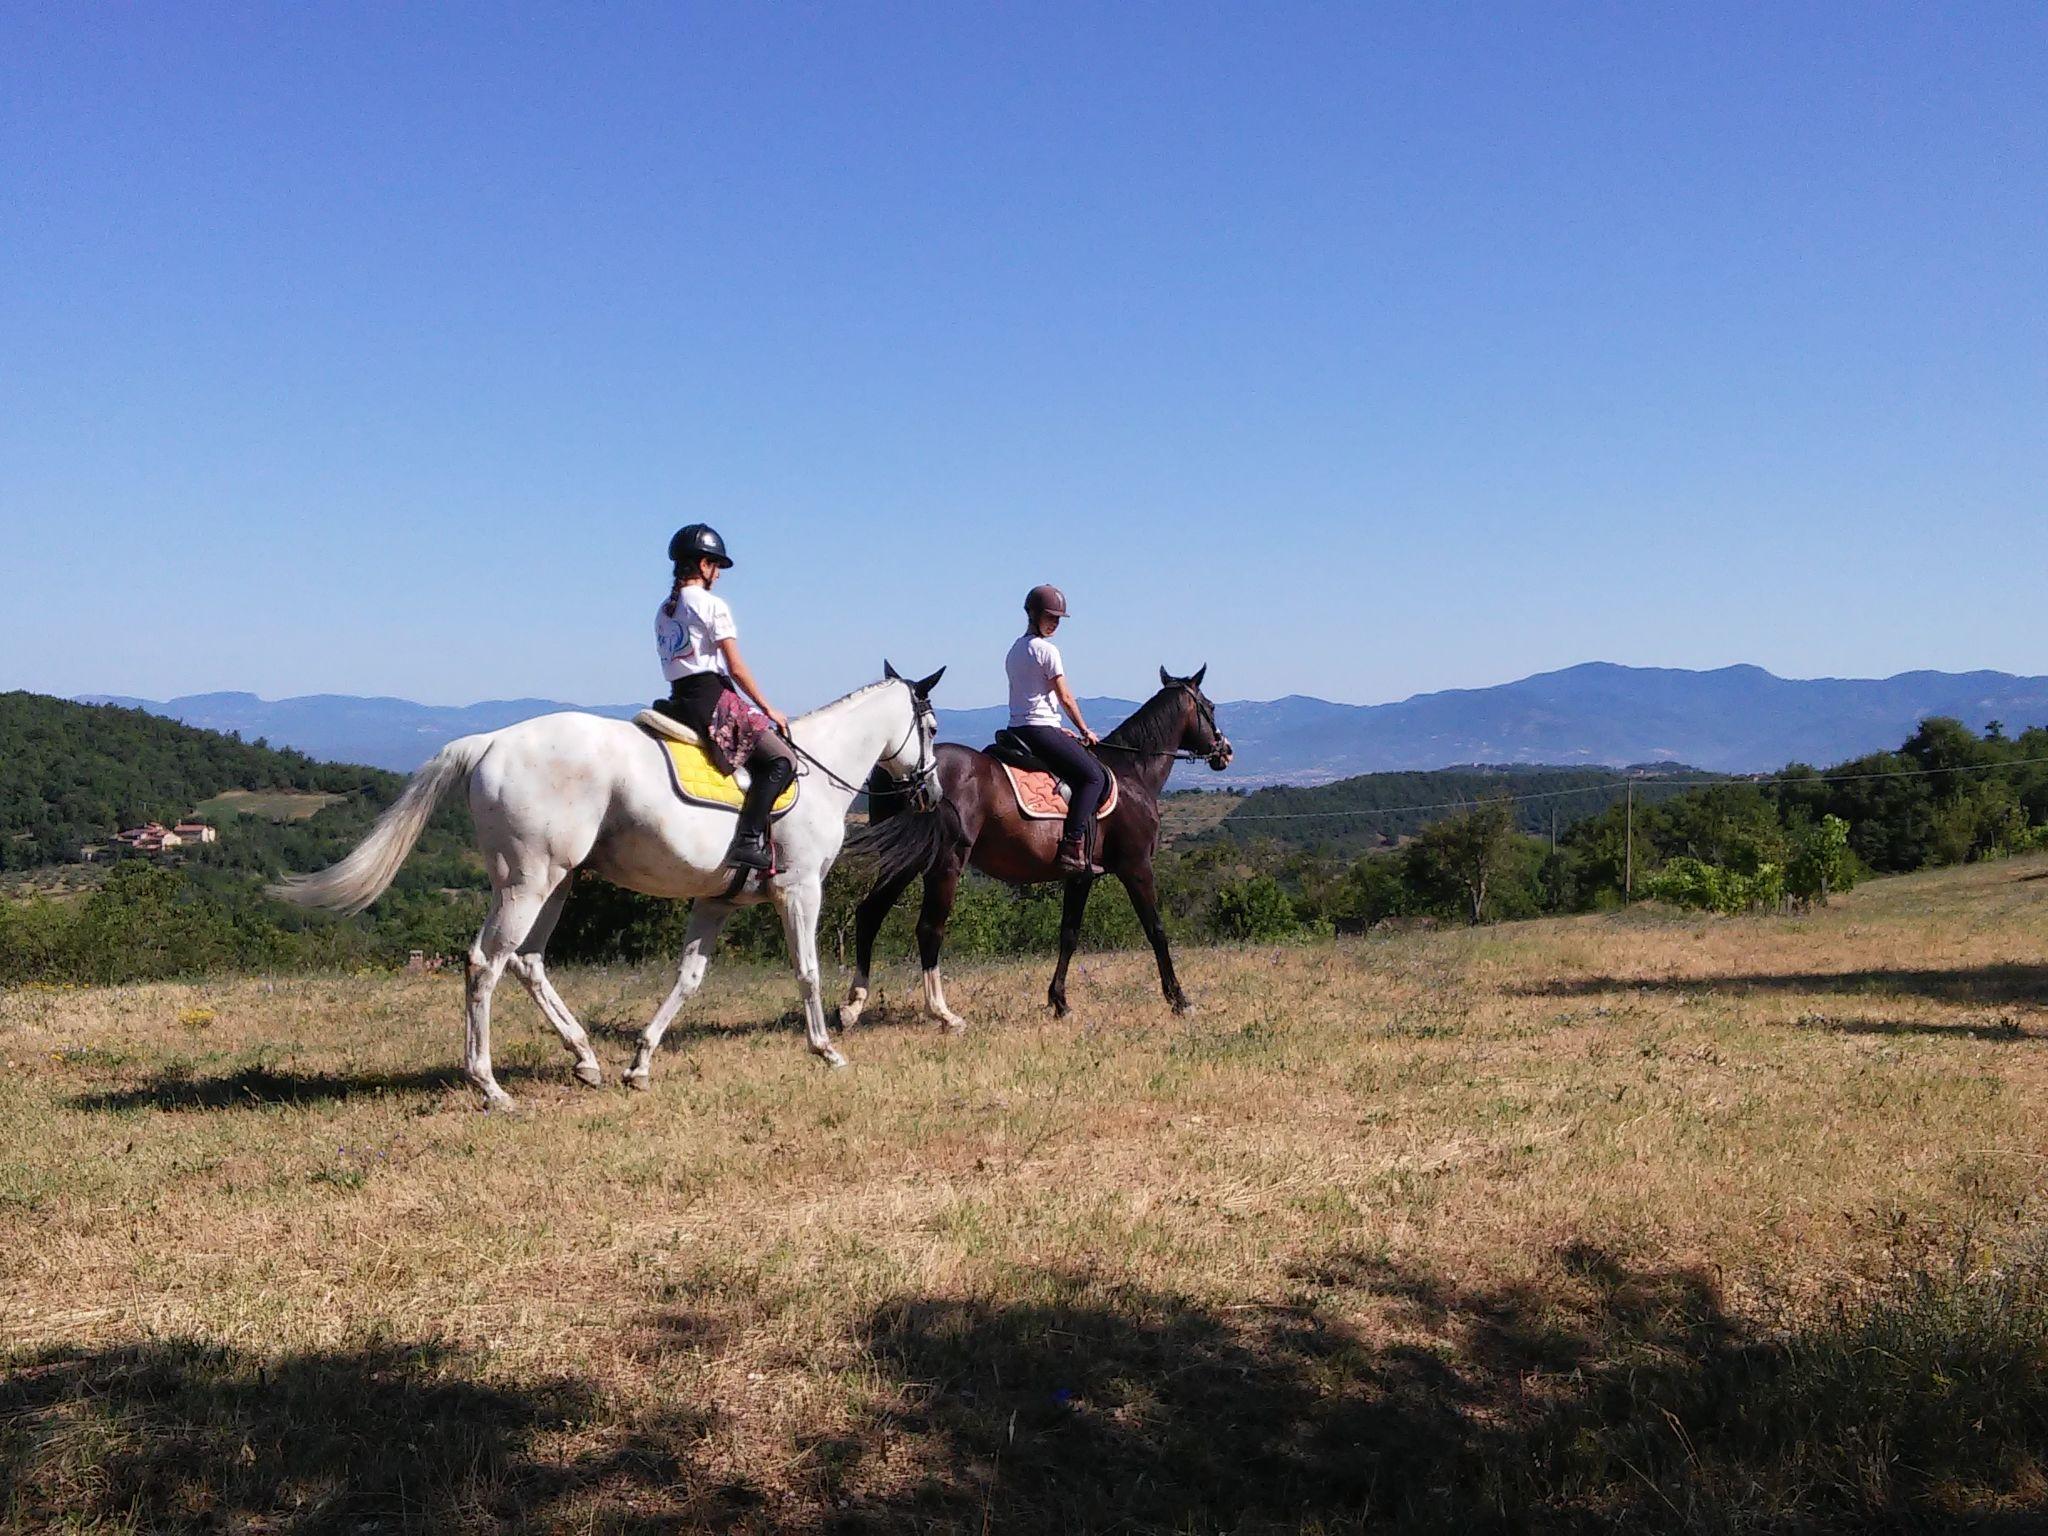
(699,539)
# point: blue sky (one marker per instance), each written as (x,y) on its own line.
(1354,350)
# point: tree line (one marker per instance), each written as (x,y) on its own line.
(1947,795)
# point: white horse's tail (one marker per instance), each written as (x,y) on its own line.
(360,878)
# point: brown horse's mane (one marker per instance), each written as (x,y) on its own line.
(1155,727)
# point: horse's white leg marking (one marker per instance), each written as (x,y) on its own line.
(800,905)
(856,1001)
(530,968)
(935,1003)
(512,916)
(707,916)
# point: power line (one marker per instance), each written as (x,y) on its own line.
(1623,783)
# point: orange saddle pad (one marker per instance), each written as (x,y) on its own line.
(1040,795)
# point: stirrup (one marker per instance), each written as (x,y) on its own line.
(1073,858)
(747,858)
(751,851)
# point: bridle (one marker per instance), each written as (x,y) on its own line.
(920,789)
(1203,712)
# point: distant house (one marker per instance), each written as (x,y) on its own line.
(155,837)
(152,837)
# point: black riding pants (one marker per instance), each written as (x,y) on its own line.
(1067,757)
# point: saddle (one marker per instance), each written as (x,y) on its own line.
(1042,795)
(694,773)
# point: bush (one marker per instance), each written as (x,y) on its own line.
(1693,883)
(1254,909)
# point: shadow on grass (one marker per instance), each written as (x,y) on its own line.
(1620,1399)
(627,1031)
(1608,1397)
(175,1435)
(1995,1031)
(265,1087)
(1993,984)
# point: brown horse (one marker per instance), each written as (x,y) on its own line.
(977,822)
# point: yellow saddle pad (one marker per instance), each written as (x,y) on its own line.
(698,779)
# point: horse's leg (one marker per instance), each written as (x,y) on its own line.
(1072,908)
(800,903)
(867,922)
(527,965)
(707,916)
(1145,897)
(941,882)
(513,913)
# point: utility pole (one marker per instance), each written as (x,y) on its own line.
(1628,878)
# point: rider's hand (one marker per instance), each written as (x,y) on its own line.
(1089,736)
(781,720)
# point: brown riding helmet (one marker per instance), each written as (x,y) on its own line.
(1046,598)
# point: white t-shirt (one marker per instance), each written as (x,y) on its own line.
(1033,663)
(687,642)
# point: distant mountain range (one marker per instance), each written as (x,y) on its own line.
(1735,719)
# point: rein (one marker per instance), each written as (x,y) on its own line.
(915,786)
(1178,754)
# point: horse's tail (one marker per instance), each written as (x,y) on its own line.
(900,842)
(360,878)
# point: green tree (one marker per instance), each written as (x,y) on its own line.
(1821,862)
(1455,861)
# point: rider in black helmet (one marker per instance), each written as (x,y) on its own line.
(1038,692)
(698,642)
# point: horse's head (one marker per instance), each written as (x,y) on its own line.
(1199,735)
(913,765)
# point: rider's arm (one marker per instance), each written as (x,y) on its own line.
(1066,697)
(743,675)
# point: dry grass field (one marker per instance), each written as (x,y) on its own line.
(1183,816)
(270,804)
(1637,1222)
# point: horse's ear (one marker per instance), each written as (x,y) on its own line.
(1200,672)
(889,671)
(923,688)
(1165,678)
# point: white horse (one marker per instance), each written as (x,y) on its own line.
(573,791)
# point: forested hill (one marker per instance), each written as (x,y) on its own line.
(73,774)
(1356,815)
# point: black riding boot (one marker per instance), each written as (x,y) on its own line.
(771,776)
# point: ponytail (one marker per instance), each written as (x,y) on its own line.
(674,593)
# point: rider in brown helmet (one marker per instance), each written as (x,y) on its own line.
(1038,692)
(698,642)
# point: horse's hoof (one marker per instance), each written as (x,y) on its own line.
(1184,1009)
(589,1074)
(848,1016)
(636,1081)
(834,1060)
(501,1104)
(952,1026)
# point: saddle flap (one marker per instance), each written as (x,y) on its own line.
(1041,796)
(700,781)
